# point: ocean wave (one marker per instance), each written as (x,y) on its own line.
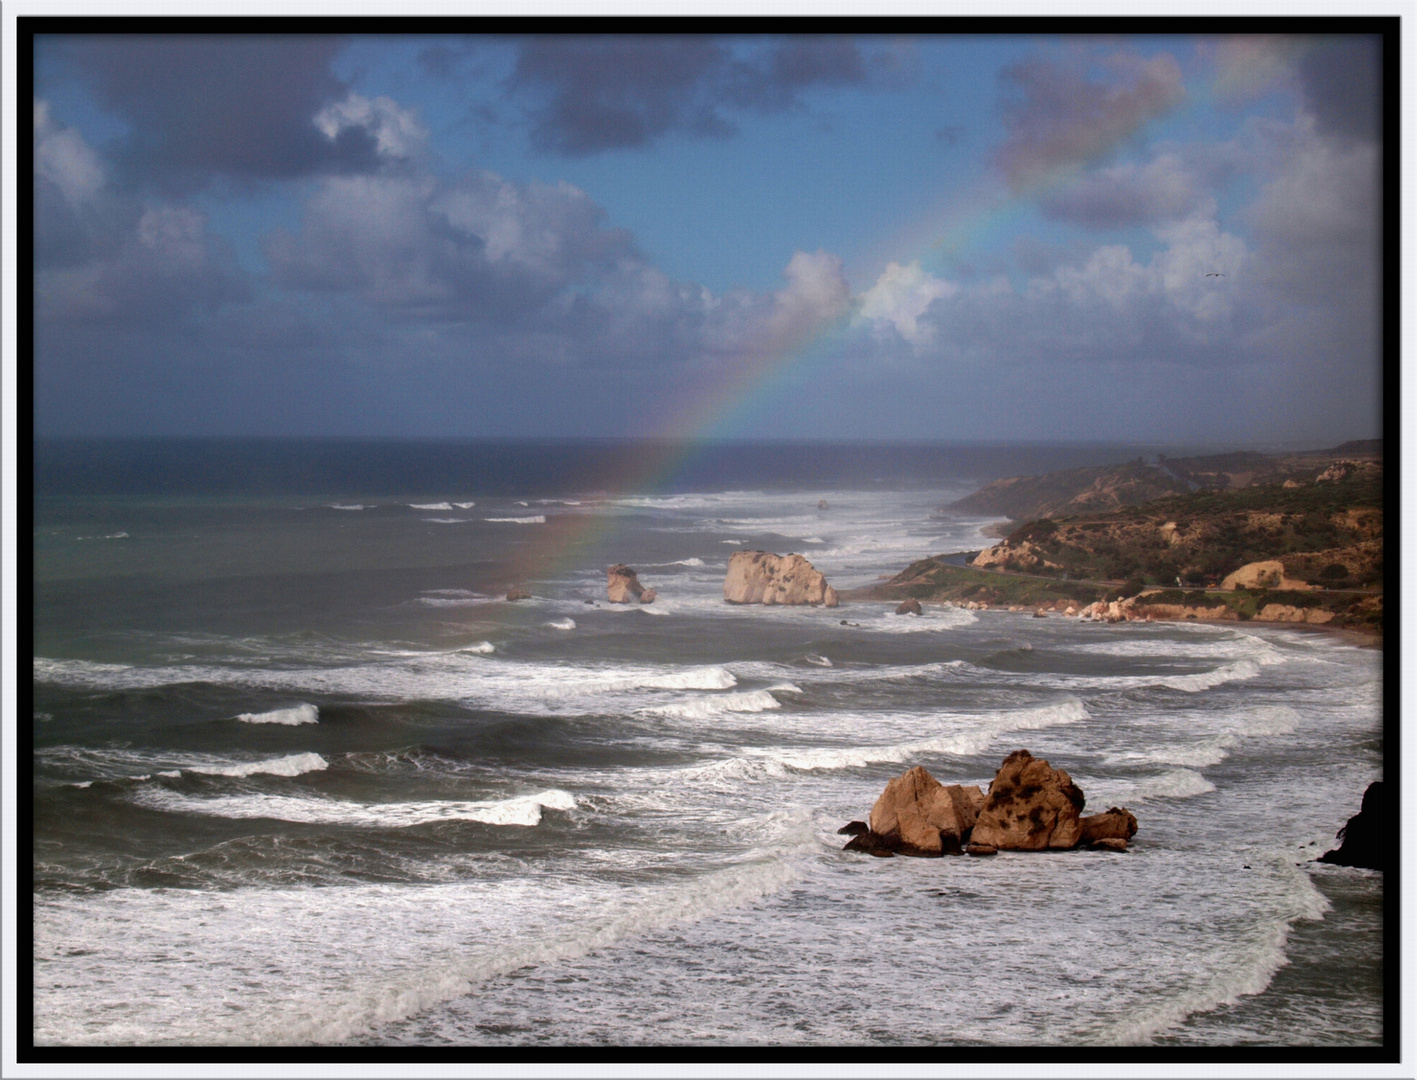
(534,519)
(1175,784)
(465,505)
(562,624)
(1206,680)
(340,506)
(523,810)
(446,521)
(483,648)
(709,708)
(298,714)
(110,536)
(981,733)
(816,660)
(290,765)
(431,506)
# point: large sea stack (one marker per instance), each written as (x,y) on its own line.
(1368,836)
(623,586)
(760,577)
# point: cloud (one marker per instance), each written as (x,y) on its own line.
(1162,189)
(596,93)
(202,106)
(475,248)
(169,266)
(1342,80)
(396,132)
(1059,120)
(900,296)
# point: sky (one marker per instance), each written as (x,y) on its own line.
(1162,239)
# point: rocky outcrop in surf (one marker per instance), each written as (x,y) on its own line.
(1368,838)
(1030,806)
(623,586)
(760,577)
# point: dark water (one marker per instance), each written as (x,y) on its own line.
(301,774)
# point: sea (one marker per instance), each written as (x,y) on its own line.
(303,776)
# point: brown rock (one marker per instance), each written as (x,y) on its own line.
(518,593)
(872,844)
(1117,823)
(1108,843)
(760,577)
(909,606)
(648,596)
(979,850)
(917,815)
(853,828)
(1030,806)
(623,586)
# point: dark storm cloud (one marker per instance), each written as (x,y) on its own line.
(1342,82)
(1060,119)
(603,93)
(206,105)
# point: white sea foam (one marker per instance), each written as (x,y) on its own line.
(686,562)
(523,810)
(465,505)
(819,661)
(110,536)
(535,519)
(299,714)
(431,506)
(786,688)
(813,540)
(562,624)
(445,521)
(485,648)
(290,765)
(339,506)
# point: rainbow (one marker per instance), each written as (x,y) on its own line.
(716,405)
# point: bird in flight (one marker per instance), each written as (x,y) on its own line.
(1214,275)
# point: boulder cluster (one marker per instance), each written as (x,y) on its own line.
(1030,806)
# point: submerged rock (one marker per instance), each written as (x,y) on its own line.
(518,593)
(1368,838)
(760,577)
(908,606)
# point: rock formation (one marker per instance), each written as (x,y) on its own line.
(1262,575)
(917,815)
(909,606)
(760,577)
(1030,806)
(1368,838)
(623,586)
(518,593)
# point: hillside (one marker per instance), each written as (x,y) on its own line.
(1193,555)
(1110,487)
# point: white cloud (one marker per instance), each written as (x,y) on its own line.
(397,132)
(900,296)
(62,157)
